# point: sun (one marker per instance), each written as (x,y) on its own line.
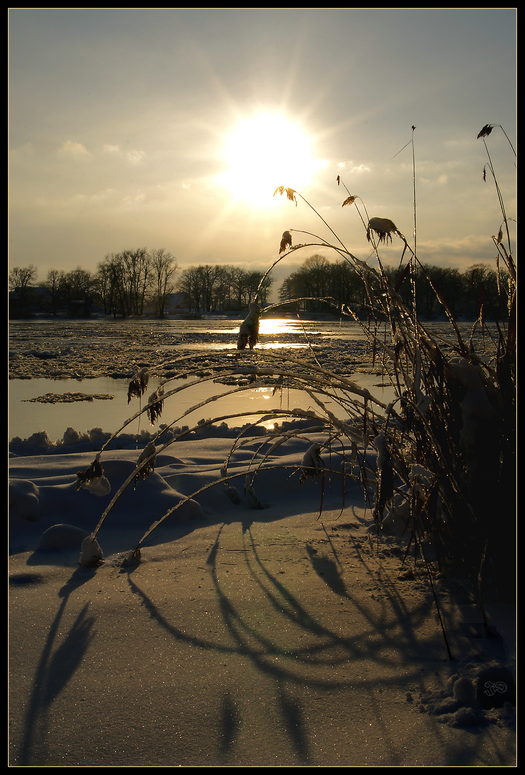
(265,151)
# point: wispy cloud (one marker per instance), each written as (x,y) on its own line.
(73,150)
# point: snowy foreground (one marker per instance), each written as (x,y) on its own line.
(271,631)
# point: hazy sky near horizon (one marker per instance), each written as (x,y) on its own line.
(171,128)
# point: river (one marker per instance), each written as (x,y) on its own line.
(97,358)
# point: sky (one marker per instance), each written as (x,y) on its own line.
(172,128)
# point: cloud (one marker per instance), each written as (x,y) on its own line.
(460,253)
(73,150)
(135,156)
(352,168)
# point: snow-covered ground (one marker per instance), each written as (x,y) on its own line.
(264,625)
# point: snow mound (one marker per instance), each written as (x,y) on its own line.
(65,510)
(62,537)
(23,499)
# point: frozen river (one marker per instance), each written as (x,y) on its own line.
(97,358)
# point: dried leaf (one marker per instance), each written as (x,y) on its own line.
(148,455)
(290,193)
(485,132)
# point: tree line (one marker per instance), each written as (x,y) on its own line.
(140,281)
(464,292)
(124,284)
(225,288)
(134,283)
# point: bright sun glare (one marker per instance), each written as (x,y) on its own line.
(264,152)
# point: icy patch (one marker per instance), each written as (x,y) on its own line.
(68,398)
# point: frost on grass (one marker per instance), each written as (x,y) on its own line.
(93,479)
(146,462)
(312,463)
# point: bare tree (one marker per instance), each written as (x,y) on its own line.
(124,280)
(77,290)
(189,284)
(21,278)
(137,267)
(54,283)
(163,268)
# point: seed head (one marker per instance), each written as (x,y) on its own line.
(383,227)
(139,383)
(155,404)
(286,241)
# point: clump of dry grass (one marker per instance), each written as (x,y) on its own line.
(454,416)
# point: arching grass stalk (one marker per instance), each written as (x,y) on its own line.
(224,479)
(411,142)
(292,196)
(316,379)
(149,460)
